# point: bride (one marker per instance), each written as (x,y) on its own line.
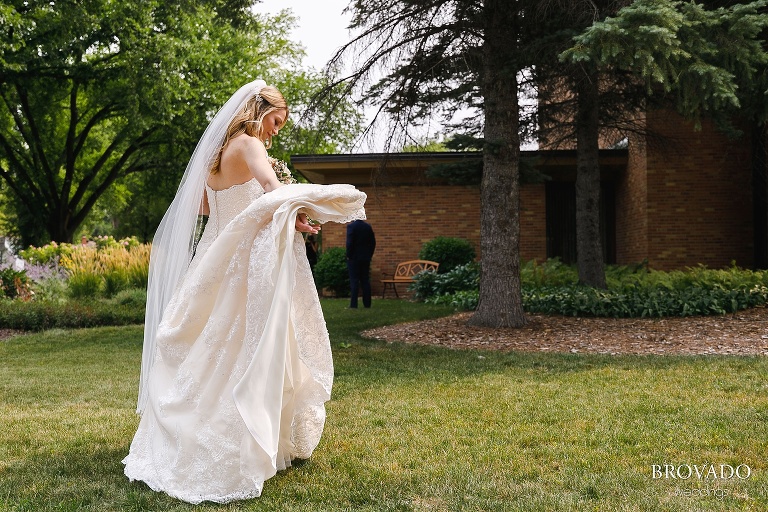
(236,365)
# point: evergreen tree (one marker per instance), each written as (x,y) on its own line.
(577,104)
(436,56)
(707,61)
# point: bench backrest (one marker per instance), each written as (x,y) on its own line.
(406,270)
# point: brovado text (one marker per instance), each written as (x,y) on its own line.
(700,471)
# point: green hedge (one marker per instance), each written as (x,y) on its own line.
(41,315)
(643,302)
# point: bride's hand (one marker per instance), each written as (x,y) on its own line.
(303,225)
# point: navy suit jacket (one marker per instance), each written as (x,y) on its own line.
(361,241)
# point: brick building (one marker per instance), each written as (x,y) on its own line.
(684,200)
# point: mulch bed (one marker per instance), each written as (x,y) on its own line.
(9,333)
(742,333)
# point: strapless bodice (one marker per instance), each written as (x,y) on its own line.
(225,205)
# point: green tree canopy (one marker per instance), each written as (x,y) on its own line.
(97,92)
(709,60)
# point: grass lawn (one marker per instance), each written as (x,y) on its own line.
(412,428)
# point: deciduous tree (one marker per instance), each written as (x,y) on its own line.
(95,92)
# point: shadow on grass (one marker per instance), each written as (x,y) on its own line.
(403,361)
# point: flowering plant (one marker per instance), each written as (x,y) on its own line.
(283,172)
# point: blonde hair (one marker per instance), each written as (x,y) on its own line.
(249,119)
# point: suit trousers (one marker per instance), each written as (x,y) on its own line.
(359,277)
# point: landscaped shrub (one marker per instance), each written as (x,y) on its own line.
(131,297)
(53,288)
(331,271)
(106,267)
(551,272)
(108,241)
(643,301)
(115,280)
(85,270)
(115,261)
(137,265)
(465,300)
(448,252)
(84,285)
(67,280)
(47,254)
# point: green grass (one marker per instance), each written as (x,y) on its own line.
(409,427)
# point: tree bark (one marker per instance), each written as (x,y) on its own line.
(500,303)
(589,250)
(60,229)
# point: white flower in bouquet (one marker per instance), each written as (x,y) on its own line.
(282,171)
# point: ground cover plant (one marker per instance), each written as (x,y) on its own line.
(410,428)
(633,290)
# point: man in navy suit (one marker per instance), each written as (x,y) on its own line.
(361,243)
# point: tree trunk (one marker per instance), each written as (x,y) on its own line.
(60,229)
(589,250)
(500,303)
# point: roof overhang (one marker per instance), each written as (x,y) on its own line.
(409,168)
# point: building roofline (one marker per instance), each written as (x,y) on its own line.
(440,155)
(363,168)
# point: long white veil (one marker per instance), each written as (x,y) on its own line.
(173,242)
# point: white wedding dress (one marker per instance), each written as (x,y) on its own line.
(243,365)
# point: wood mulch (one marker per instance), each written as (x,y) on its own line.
(9,333)
(742,333)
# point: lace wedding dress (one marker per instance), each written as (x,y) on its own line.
(243,365)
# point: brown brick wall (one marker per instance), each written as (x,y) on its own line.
(679,203)
(631,203)
(533,222)
(699,199)
(404,217)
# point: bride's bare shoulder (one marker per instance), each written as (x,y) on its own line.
(245,142)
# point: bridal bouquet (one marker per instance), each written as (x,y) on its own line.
(283,172)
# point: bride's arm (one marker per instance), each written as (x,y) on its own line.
(255,156)
(256,159)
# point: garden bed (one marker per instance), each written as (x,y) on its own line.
(741,333)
